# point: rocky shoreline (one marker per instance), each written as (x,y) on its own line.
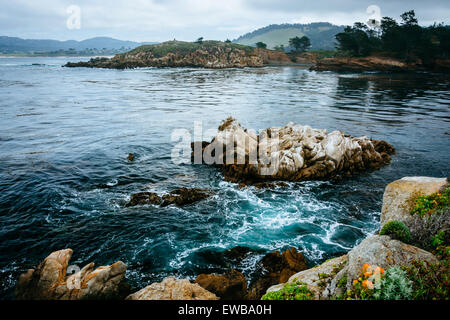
(378,64)
(54,279)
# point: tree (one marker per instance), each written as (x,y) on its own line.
(199,40)
(228,41)
(261,45)
(300,44)
(279,48)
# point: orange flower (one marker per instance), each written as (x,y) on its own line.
(365,267)
(355,282)
(367,274)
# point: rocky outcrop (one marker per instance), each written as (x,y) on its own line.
(178,197)
(209,54)
(231,285)
(173,289)
(293,153)
(399,197)
(277,268)
(50,281)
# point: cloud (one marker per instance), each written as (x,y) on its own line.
(159,20)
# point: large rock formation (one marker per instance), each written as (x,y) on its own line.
(293,152)
(209,54)
(173,289)
(399,197)
(50,281)
(231,285)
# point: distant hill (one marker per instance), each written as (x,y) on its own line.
(18,45)
(321,35)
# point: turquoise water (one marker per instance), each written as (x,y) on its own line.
(64,176)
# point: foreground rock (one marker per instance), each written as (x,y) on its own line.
(399,197)
(179,197)
(278,267)
(382,251)
(228,286)
(209,54)
(49,281)
(381,64)
(293,153)
(318,277)
(173,289)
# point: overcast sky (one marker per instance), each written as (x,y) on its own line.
(160,20)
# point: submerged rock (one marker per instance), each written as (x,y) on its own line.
(49,281)
(179,197)
(293,153)
(399,197)
(143,198)
(278,267)
(231,285)
(172,288)
(184,196)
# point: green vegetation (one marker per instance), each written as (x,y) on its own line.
(300,44)
(431,204)
(290,291)
(397,230)
(182,47)
(261,45)
(429,281)
(199,40)
(407,40)
(394,286)
(321,35)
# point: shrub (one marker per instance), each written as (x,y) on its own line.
(397,230)
(429,281)
(433,203)
(367,284)
(290,291)
(394,286)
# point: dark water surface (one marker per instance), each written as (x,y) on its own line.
(64,176)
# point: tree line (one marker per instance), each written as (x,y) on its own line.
(405,40)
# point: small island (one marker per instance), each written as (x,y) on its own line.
(206,54)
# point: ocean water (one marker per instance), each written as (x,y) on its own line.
(65,179)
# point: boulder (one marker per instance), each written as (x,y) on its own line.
(172,288)
(399,197)
(50,281)
(228,286)
(379,251)
(292,153)
(277,268)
